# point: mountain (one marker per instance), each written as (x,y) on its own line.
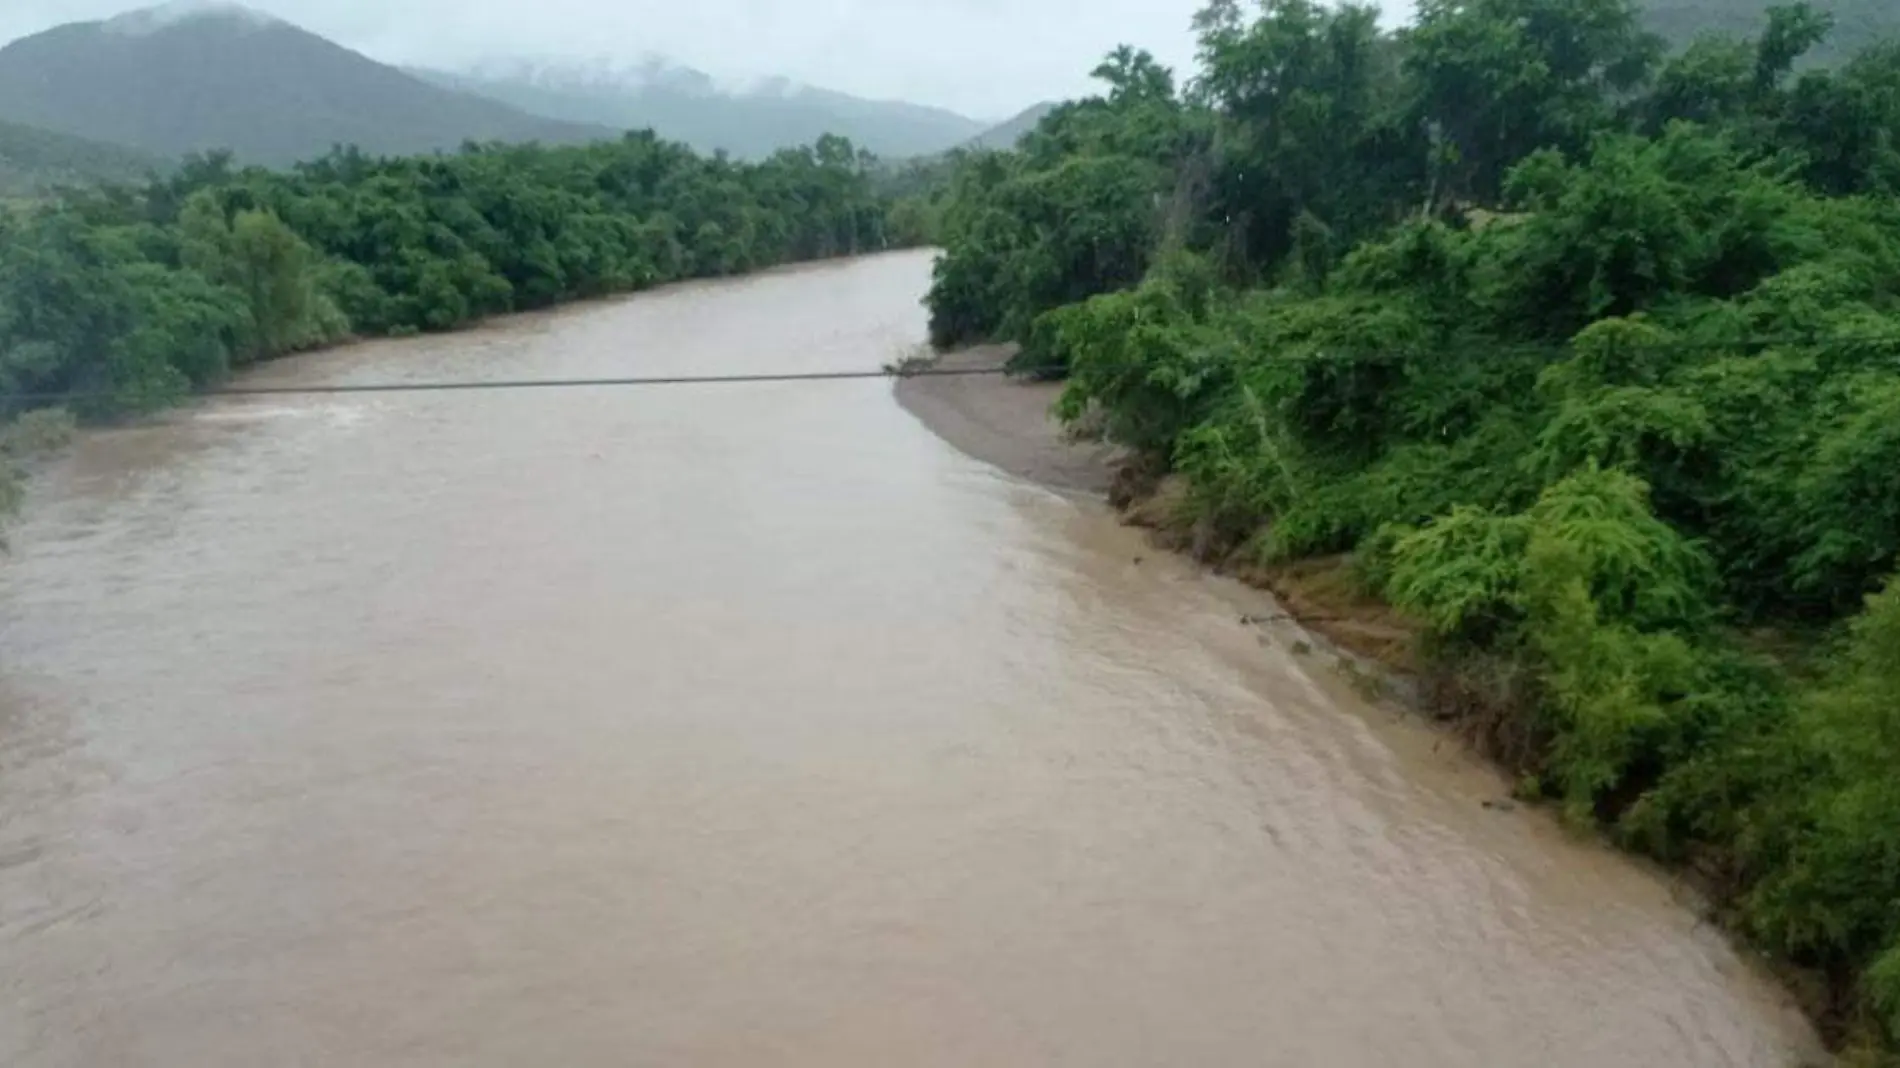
(192,77)
(34,160)
(1857,23)
(683,104)
(1004,137)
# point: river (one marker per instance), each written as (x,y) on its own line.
(736,725)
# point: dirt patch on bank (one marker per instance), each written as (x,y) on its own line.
(1007,423)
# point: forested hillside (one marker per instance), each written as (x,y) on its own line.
(126,298)
(685,105)
(1584,359)
(1857,23)
(33,161)
(171,82)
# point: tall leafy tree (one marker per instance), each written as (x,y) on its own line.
(1494,80)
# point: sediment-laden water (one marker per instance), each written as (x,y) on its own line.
(738,725)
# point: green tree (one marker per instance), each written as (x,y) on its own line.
(275,272)
(1499,79)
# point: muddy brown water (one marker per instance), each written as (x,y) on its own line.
(736,726)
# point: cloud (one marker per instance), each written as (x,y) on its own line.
(153,19)
(988,58)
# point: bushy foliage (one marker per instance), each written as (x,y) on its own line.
(1603,596)
(1080,211)
(1149,357)
(1824,847)
(131,296)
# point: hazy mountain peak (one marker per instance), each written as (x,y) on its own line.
(198,76)
(151,20)
(602,74)
(772,87)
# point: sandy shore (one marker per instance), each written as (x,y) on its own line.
(1007,423)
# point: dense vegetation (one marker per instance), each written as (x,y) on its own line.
(34,161)
(1589,359)
(128,297)
(200,79)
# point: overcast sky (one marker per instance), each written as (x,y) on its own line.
(987,58)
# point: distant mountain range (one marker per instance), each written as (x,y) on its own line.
(195,76)
(687,105)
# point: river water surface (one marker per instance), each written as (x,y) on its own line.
(738,725)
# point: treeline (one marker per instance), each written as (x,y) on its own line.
(127,297)
(1586,357)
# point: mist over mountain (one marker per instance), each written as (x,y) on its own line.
(747,120)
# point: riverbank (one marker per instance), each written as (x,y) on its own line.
(1008,423)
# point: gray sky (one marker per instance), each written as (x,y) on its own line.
(987,58)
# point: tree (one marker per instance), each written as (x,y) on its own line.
(142,292)
(1499,79)
(1308,94)
(265,262)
